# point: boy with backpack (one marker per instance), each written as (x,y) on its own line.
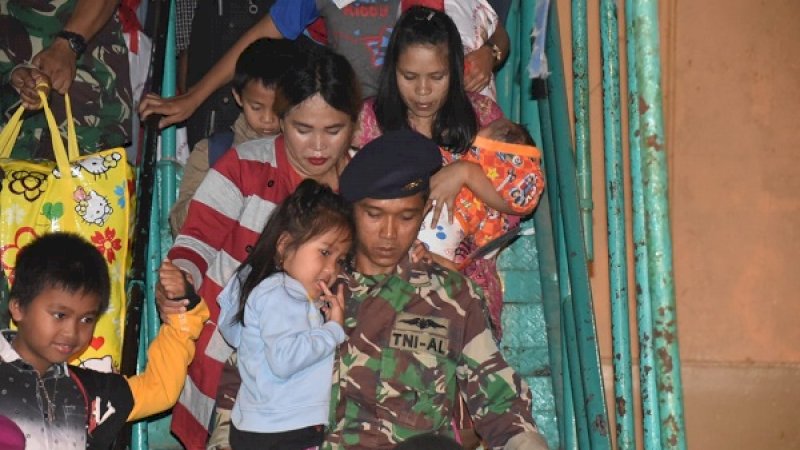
(61,286)
(258,70)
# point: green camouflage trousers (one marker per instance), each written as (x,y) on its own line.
(100,94)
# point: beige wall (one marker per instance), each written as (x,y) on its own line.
(732,100)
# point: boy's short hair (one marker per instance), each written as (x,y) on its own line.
(265,60)
(62,261)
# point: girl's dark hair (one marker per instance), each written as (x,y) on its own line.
(310,211)
(455,125)
(63,261)
(320,71)
(265,61)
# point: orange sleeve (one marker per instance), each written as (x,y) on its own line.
(158,387)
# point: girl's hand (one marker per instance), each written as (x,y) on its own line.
(333,305)
(445,185)
(419,251)
(171,285)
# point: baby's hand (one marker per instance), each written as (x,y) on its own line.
(170,286)
(333,305)
(419,251)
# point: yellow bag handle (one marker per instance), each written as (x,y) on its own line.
(72,136)
(10,133)
(62,160)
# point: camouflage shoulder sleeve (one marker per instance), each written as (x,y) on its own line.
(499,401)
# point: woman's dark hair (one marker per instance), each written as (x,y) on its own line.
(455,125)
(313,209)
(63,261)
(320,71)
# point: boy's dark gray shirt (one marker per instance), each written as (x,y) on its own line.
(90,408)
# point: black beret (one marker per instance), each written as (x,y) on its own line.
(396,165)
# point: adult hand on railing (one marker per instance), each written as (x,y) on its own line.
(174,110)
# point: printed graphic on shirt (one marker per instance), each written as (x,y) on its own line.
(361,30)
(420,333)
(100,412)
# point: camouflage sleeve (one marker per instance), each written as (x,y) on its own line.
(499,401)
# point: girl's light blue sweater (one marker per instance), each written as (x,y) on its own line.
(286,353)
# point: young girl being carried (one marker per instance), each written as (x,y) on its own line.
(280,314)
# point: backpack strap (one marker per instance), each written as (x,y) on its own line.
(218,144)
(77,380)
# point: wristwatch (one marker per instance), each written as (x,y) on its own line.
(497,54)
(76,42)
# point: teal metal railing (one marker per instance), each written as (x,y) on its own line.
(657,238)
(154,433)
(580,102)
(615,218)
(563,225)
(647,384)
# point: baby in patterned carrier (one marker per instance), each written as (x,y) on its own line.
(507,155)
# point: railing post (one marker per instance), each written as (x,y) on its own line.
(651,439)
(615,216)
(659,241)
(580,100)
(583,310)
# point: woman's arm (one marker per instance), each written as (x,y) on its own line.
(483,61)
(448,181)
(179,108)
(287,18)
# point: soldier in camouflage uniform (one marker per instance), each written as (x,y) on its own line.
(99,87)
(417,331)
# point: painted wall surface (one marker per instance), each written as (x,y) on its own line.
(731,78)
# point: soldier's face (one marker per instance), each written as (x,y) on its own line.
(385,230)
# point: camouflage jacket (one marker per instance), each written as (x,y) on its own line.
(100,93)
(416,338)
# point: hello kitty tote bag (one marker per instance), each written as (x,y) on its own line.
(88,195)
